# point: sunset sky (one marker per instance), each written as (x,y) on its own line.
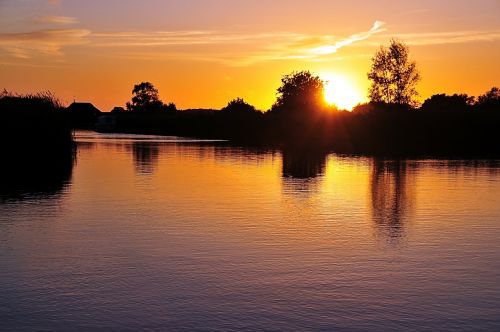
(202,53)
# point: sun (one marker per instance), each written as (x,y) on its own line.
(339,91)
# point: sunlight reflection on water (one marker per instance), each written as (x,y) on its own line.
(155,233)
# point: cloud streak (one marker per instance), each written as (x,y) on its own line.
(56,20)
(240,49)
(377,27)
(25,45)
(444,38)
(228,48)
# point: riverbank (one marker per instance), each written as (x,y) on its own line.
(388,132)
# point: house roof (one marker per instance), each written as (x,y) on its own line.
(83,107)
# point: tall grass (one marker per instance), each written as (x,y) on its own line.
(33,124)
(40,101)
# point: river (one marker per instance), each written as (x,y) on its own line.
(162,233)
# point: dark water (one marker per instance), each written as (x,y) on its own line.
(148,233)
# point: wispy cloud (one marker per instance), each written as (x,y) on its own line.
(377,27)
(49,42)
(25,64)
(56,20)
(230,48)
(239,49)
(183,38)
(443,38)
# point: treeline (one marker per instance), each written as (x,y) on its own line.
(391,123)
(394,129)
(447,125)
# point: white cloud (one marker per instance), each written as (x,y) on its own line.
(377,27)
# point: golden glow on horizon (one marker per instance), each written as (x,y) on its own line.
(204,58)
(340,91)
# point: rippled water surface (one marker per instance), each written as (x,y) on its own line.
(172,234)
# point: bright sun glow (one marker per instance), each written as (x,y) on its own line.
(341,92)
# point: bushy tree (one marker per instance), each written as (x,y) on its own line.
(443,102)
(170,107)
(145,98)
(300,91)
(378,107)
(117,110)
(364,108)
(240,106)
(490,100)
(394,75)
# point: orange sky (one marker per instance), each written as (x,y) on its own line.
(202,53)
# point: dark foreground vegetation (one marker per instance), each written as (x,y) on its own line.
(35,124)
(36,143)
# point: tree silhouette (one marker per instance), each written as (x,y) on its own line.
(442,102)
(490,100)
(145,98)
(300,91)
(170,107)
(394,76)
(117,109)
(240,106)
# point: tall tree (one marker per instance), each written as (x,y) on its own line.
(394,75)
(145,98)
(300,91)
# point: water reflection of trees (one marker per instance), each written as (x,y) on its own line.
(239,155)
(392,198)
(303,165)
(145,157)
(35,176)
(86,146)
(301,170)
